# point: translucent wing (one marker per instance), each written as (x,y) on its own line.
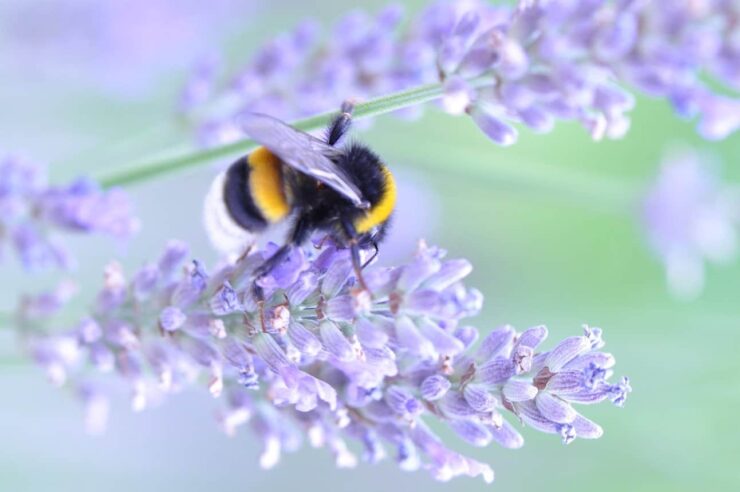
(302,152)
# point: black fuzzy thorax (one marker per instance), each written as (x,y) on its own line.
(365,169)
(320,207)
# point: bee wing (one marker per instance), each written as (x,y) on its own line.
(302,152)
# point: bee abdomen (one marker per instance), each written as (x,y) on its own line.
(226,234)
(239,201)
(267,185)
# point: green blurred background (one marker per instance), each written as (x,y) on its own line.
(544,222)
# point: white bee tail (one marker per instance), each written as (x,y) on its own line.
(226,236)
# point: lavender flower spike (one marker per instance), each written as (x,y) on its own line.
(377,370)
(30,210)
(689,217)
(535,63)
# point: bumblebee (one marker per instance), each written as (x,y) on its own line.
(312,184)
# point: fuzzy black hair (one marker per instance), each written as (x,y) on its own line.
(363,166)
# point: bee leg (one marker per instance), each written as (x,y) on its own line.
(261,272)
(265,268)
(299,234)
(354,248)
(375,254)
(340,124)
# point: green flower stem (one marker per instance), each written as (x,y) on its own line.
(148,170)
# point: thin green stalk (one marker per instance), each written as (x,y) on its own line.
(375,107)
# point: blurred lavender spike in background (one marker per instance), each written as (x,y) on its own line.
(32,212)
(544,60)
(377,374)
(691,217)
(120,48)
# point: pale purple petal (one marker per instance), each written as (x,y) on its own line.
(566,351)
(554,409)
(515,390)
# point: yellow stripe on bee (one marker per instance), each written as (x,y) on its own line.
(379,212)
(266,184)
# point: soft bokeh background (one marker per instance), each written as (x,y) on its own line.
(90,85)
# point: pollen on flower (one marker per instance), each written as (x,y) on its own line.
(217,328)
(361,301)
(280,319)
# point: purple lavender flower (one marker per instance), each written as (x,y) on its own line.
(566,59)
(533,64)
(689,217)
(331,359)
(31,210)
(114,47)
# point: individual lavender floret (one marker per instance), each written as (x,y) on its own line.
(532,64)
(324,358)
(31,211)
(199,86)
(690,216)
